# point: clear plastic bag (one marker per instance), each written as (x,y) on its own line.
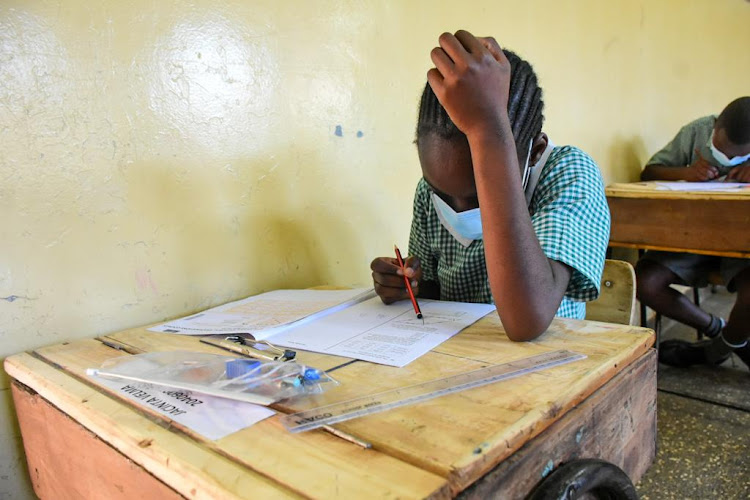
(244,379)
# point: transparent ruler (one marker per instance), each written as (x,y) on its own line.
(375,403)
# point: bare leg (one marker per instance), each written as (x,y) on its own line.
(652,288)
(680,353)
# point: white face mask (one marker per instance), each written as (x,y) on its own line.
(466,226)
(722,158)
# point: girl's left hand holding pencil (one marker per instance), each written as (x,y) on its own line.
(388,278)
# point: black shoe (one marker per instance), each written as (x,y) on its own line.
(682,354)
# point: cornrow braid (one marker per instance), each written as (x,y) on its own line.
(433,119)
(525,107)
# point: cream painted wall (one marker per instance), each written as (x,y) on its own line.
(163,157)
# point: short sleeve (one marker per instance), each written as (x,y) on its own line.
(570,216)
(419,244)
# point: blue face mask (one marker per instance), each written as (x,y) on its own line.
(723,160)
(466,226)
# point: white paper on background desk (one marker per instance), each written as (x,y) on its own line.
(209,416)
(385,334)
(701,186)
(263,315)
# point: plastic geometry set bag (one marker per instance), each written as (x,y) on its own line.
(244,379)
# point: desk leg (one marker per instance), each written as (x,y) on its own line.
(644,317)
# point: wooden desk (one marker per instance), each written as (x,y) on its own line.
(84,441)
(711,223)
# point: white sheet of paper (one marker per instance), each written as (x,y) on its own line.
(265,314)
(385,334)
(701,186)
(209,416)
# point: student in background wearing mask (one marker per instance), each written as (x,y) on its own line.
(706,149)
(501,215)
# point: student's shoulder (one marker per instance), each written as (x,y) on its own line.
(570,161)
(702,124)
(421,193)
(423,189)
(569,168)
(702,121)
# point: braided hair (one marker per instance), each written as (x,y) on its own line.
(735,120)
(525,107)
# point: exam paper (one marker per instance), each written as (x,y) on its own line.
(385,334)
(263,315)
(209,416)
(701,186)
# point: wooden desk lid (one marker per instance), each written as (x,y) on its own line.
(435,448)
(649,190)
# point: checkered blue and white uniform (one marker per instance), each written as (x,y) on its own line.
(570,216)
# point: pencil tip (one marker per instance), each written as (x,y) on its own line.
(419,316)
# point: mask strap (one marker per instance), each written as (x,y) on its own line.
(536,172)
(526,169)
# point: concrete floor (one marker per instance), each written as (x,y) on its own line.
(703,424)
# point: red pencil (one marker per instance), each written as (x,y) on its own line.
(408,283)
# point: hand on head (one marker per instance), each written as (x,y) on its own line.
(389,280)
(471,79)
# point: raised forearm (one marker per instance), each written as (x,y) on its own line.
(527,287)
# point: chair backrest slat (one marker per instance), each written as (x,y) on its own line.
(616,302)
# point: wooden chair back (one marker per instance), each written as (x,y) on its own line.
(616,302)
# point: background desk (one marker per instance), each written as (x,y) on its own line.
(84,441)
(712,223)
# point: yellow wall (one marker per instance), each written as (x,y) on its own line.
(162,157)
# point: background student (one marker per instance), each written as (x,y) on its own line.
(703,150)
(500,214)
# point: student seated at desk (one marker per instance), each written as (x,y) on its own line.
(702,150)
(500,214)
